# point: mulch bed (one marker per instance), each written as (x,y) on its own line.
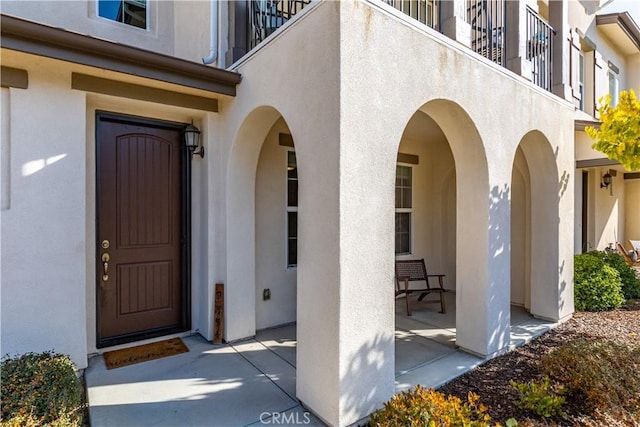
(491,381)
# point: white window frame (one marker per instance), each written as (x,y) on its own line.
(288,210)
(147,17)
(405,210)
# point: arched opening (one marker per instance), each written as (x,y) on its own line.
(441,204)
(262,235)
(425,228)
(520,238)
(536,189)
(276,213)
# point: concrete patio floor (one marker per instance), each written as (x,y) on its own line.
(253,382)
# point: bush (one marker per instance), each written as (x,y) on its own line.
(597,285)
(598,376)
(427,407)
(540,397)
(40,389)
(630,281)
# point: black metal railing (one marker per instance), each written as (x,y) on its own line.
(266,16)
(488,29)
(425,11)
(539,49)
(487,19)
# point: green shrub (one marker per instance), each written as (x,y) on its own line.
(40,389)
(598,376)
(427,407)
(630,281)
(597,285)
(540,397)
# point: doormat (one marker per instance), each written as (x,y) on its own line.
(142,353)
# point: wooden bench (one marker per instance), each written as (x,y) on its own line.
(416,271)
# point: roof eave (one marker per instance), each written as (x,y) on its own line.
(57,43)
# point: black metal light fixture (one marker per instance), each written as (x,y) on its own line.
(192,140)
(606,180)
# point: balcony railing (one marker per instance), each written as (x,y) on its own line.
(539,49)
(425,11)
(487,19)
(266,16)
(488,28)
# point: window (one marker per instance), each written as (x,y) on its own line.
(613,88)
(581,74)
(130,12)
(403,209)
(292,209)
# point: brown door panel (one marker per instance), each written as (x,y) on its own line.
(140,193)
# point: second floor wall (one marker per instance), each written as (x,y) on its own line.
(176,28)
(601,58)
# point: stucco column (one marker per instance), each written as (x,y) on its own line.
(454,21)
(345,305)
(558,19)
(483,269)
(516,39)
(345,351)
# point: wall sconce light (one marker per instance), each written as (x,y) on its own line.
(192,140)
(606,180)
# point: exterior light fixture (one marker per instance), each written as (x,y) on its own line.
(606,180)
(192,140)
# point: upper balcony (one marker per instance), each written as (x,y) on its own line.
(508,33)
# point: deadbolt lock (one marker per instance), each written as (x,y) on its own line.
(105,244)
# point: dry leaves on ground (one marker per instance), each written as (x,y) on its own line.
(492,380)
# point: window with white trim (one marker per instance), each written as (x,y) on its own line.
(292,209)
(404,205)
(130,12)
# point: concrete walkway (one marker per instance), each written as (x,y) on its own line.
(253,382)
(211,385)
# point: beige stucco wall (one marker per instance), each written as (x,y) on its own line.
(310,116)
(5,121)
(48,217)
(632,210)
(347,108)
(609,210)
(43,275)
(583,147)
(178,28)
(633,72)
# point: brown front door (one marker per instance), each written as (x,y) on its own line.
(142,282)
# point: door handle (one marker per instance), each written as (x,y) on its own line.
(105,267)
